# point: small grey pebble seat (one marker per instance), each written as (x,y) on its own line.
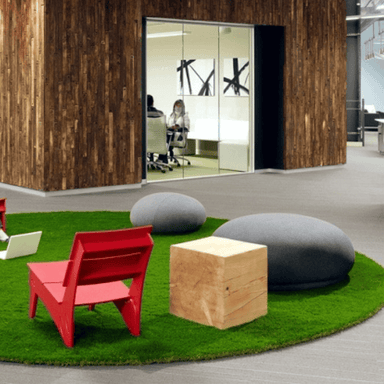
(303,252)
(168,212)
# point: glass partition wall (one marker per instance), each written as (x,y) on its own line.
(209,68)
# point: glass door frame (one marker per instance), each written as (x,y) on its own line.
(251,133)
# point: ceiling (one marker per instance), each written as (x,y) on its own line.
(370,8)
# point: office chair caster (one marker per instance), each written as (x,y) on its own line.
(174,160)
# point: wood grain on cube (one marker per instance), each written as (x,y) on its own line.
(218,282)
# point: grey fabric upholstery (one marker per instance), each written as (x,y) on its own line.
(169,212)
(303,252)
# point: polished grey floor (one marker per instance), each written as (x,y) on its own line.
(350,196)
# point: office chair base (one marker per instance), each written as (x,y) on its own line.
(160,166)
(165,165)
(175,159)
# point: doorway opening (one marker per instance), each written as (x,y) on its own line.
(230,80)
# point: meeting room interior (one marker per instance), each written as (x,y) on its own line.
(208,67)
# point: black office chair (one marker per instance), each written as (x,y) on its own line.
(179,141)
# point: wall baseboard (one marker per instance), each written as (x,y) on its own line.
(125,187)
(299,170)
(354,144)
(70,192)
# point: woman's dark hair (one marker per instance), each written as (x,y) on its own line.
(149,100)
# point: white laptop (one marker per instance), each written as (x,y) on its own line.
(21,245)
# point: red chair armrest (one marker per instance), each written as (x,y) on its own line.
(52,272)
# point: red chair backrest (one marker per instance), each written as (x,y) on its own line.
(101,257)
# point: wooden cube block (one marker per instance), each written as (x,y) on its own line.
(218,282)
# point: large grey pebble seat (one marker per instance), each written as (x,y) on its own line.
(303,252)
(169,212)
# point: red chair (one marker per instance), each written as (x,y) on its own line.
(98,262)
(2,213)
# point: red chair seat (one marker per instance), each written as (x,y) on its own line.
(92,294)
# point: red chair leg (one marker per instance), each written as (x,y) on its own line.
(32,304)
(130,314)
(91,307)
(65,325)
(3,221)
(2,213)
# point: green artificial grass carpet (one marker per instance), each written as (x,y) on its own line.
(101,337)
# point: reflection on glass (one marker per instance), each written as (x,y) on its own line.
(201,52)
(164,48)
(234,100)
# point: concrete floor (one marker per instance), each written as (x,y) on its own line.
(350,196)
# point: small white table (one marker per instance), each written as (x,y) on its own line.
(380,136)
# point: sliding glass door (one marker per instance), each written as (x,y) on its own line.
(235,99)
(200,56)
(208,68)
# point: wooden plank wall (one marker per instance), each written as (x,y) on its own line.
(22,92)
(87,132)
(92,104)
(315,125)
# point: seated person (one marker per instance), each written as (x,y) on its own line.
(152,112)
(178,122)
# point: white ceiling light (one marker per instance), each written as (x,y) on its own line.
(359,17)
(167,34)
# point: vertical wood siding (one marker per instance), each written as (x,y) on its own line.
(22,92)
(79,126)
(92,104)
